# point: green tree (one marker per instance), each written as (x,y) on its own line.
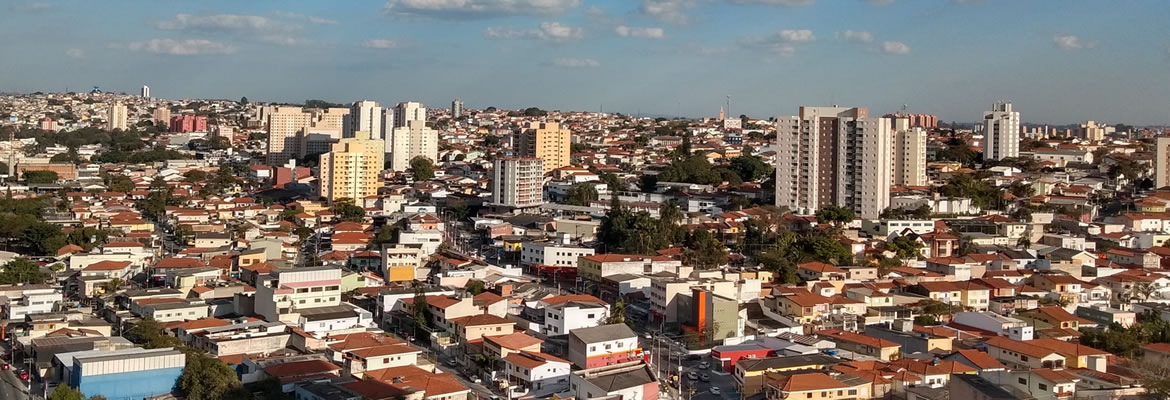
(422,168)
(43,239)
(421,313)
(750,168)
(114,285)
(40,177)
(207,378)
(117,182)
(66,392)
(150,334)
(612,182)
(388,234)
(581,194)
(835,215)
(347,211)
(22,270)
(474,287)
(905,247)
(1144,290)
(220,143)
(704,251)
(617,314)
(491,141)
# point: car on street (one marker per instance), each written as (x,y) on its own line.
(451,362)
(692,375)
(705,378)
(5,367)
(647,335)
(693,357)
(714,390)
(704,365)
(24,375)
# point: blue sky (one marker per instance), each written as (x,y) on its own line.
(1059,61)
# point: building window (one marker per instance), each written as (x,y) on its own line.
(1023,381)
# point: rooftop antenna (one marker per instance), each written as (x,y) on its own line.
(729,106)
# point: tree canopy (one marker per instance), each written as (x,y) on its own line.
(347,211)
(22,270)
(422,168)
(581,194)
(40,177)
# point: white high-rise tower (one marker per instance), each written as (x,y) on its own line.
(145,92)
(1001,132)
(409,111)
(456,109)
(365,116)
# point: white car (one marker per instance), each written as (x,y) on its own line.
(714,390)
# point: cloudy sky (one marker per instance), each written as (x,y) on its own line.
(1059,61)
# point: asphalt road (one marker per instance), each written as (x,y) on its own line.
(665,357)
(11,387)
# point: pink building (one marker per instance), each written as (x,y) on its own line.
(189,123)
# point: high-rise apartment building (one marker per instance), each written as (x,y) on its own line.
(517,182)
(456,109)
(909,152)
(365,115)
(116,117)
(188,123)
(412,140)
(1001,132)
(285,124)
(1092,132)
(352,168)
(1162,162)
(546,141)
(145,92)
(162,117)
(284,294)
(834,155)
(409,111)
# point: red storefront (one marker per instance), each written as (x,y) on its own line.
(729,355)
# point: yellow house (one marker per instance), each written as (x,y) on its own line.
(750,372)
(352,280)
(476,327)
(818,385)
(800,307)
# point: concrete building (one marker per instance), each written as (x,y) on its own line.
(553,253)
(834,155)
(407,112)
(162,117)
(518,182)
(365,116)
(116,117)
(546,141)
(406,142)
(281,293)
(627,381)
(603,345)
(188,123)
(1092,132)
(32,301)
(456,109)
(568,316)
(352,168)
(1001,132)
(145,93)
(127,374)
(909,153)
(286,123)
(1162,162)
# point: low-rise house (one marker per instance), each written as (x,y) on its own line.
(603,345)
(750,374)
(637,381)
(816,384)
(537,373)
(881,349)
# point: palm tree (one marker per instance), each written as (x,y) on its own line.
(113,285)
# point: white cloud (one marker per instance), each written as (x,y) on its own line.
(642,33)
(547,31)
(896,48)
(478,8)
(798,36)
(879,3)
(599,16)
(784,3)
(309,18)
(576,63)
(30,7)
(322,21)
(1070,42)
(783,42)
(75,53)
(282,40)
(856,36)
(668,11)
(382,44)
(224,22)
(188,47)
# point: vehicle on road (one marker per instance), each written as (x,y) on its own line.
(5,367)
(647,335)
(714,390)
(692,375)
(693,357)
(705,378)
(24,375)
(451,362)
(704,365)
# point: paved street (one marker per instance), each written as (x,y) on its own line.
(668,357)
(11,387)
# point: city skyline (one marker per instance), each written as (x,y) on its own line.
(1058,65)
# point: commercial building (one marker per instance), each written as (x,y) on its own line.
(414,139)
(632,380)
(456,109)
(1001,132)
(188,123)
(352,168)
(32,301)
(834,155)
(1162,162)
(145,93)
(546,141)
(116,117)
(1092,132)
(518,182)
(127,374)
(281,293)
(603,345)
(909,153)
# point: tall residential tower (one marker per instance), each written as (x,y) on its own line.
(1001,132)
(517,182)
(909,152)
(546,141)
(352,168)
(834,155)
(116,117)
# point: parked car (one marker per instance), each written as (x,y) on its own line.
(714,390)
(705,378)
(704,365)
(692,375)
(24,375)
(5,367)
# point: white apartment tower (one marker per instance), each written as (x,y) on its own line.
(116,117)
(145,92)
(409,141)
(288,127)
(909,153)
(352,168)
(366,116)
(834,155)
(456,109)
(1001,132)
(518,182)
(409,111)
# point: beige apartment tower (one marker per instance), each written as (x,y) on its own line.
(546,141)
(834,155)
(414,139)
(116,117)
(909,153)
(352,168)
(1162,162)
(286,125)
